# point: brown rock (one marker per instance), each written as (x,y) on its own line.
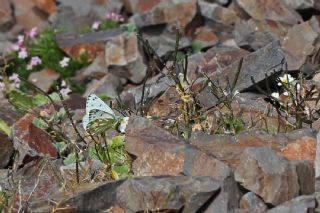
(140,6)
(217,13)
(229,148)
(206,36)
(274,10)
(31,141)
(271,177)
(306,176)
(44,79)
(301,149)
(299,43)
(6,16)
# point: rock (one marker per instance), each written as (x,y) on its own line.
(317,170)
(150,143)
(31,141)
(97,69)
(123,58)
(44,79)
(306,176)
(257,64)
(165,12)
(274,10)
(109,85)
(271,177)
(302,204)
(28,14)
(205,36)
(6,16)
(228,148)
(9,115)
(154,87)
(38,180)
(172,193)
(217,13)
(299,43)
(120,51)
(301,149)
(299,4)
(76,15)
(187,194)
(250,37)
(140,6)
(252,202)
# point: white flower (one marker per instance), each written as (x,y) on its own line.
(23,53)
(123,124)
(286,79)
(285,93)
(64,62)
(65,91)
(95,25)
(275,95)
(298,86)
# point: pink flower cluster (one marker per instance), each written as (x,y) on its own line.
(35,61)
(14,81)
(20,44)
(114,17)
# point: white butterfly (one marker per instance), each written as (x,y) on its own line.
(98,112)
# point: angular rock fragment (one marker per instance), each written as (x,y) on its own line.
(252,202)
(302,204)
(44,79)
(271,177)
(6,16)
(217,13)
(299,43)
(274,10)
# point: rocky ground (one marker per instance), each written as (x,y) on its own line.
(223,112)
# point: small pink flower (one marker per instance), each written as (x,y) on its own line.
(33,33)
(23,53)
(2,87)
(114,17)
(34,62)
(16,80)
(64,62)
(65,91)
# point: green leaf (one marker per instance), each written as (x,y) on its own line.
(117,141)
(124,169)
(71,158)
(5,128)
(93,153)
(40,123)
(61,146)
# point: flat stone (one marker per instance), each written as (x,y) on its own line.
(301,149)
(257,64)
(166,13)
(301,204)
(299,43)
(31,141)
(217,13)
(189,193)
(252,202)
(300,4)
(44,79)
(306,176)
(274,10)
(75,15)
(228,148)
(271,177)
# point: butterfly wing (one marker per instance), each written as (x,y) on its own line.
(99,116)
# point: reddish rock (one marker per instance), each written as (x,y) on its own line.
(206,36)
(31,141)
(140,6)
(274,10)
(301,149)
(299,43)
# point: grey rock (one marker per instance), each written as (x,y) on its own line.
(301,204)
(252,202)
(171,193)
